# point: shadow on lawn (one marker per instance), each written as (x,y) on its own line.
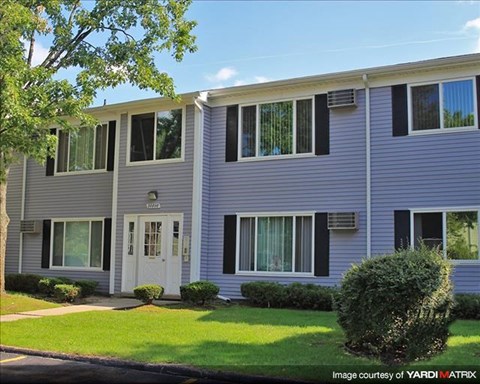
(268,316)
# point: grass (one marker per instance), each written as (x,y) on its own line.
(17,302)
(272,342)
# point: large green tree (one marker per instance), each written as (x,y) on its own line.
(105,43)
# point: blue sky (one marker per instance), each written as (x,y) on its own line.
(244,42)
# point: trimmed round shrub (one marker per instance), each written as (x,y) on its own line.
(87,287)
(265,294)
(396,307)
(47,284)
(467,306)
(66,292)
(148,292)
(22,282)
(199,292)
(310,296)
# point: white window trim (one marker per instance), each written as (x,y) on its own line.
(85,172)
(156,161)
(257,157)
(444,211)
(270,273)
(67,268)
(441,129)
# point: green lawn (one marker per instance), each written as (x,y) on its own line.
(272,342)
(16,302)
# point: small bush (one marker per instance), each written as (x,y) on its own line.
(47,284)
(397,307)
(66,292)
(88,287)
(22,282)
(199,292)
(148,292)
(310,296)
(467,306)
(265,294)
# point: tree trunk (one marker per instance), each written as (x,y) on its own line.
(4,220)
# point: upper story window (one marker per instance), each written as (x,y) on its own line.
(455,233)
(275,129)
(442,105)
(156,136)
(82,150)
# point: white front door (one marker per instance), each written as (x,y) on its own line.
(157,259)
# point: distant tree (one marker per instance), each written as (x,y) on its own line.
(109,42)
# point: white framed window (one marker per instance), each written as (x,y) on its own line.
(275,243)
(157,136)
(84,150)
(442,106)
(77,243)
(455,232)
(276,129)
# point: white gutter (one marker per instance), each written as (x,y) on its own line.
(197,201)
(368,166)
(111,289)
(22,213)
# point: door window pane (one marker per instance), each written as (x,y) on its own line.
(458,104)
(169,134)
(142,137)
(425,107)
(131,238)
(175,239)
(462,235)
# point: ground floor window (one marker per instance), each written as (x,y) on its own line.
(282,243)
(456,233)
(77,243)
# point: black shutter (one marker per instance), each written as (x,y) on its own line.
(322,125)
(111,145)
(229,243)
(107,243)
(478,100)
(402,229)
(399,110)
(47,230)
(231,146)
(322,245)
(50,160)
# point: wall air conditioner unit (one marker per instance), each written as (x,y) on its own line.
(30,226)
(342,220)
(341,98)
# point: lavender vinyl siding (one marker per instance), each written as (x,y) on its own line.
(173,181)
(14,207)
(334,182)
(426,171)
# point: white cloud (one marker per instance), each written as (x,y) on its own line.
(39,52)
(261,79)
(223,74)
(239,82)
(475,26)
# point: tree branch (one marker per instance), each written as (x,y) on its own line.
(32,47)
(113,29)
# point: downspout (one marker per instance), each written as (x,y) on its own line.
(111,288)
(197,191)
(22,213)
(368,166)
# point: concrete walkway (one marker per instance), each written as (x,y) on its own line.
(103,304)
